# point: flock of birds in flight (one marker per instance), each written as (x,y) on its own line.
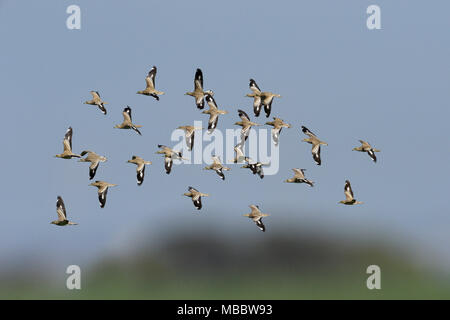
(260,99)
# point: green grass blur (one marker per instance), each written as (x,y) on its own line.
(208,266)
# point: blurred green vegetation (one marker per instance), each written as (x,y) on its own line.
(190,266)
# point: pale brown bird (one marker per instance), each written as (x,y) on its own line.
(150,88)
(213,112)
(349,199)
(198,92)
(102,190)
(189,134)
(97,101)
(299,177)
(196,197)
(168,156)
(366,147)
(62,215)
(127,121)
(218,167)
(256,215)
(94,159)
(140,170)
(261,99)
(316,143)
(239,154)
(277,124)
(246,125)
(256,168)
(67,143)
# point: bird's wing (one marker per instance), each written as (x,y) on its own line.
(102,192)
(93,169)
(219,171)
(244,116)
(299,173)
(190,135)
(197,200)
(254,87)
(276,134)
(192,189)
(198,82)
(365,144)
(239,152)
(308,132)
(348,190)
(216,160)
(255,209)
(212,122)
(372,154)
(168,164)
(200,102)
(260,225)
(316,153)
(102,108)
(140,171)
(150,79)
(245,132)
(61,209)
(211,102)
(95,95)
(68,139)
(127,114)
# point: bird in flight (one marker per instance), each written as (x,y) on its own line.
(198,92)
(94,159)
(189,134)
(277,124)
(246,125)
(217,167)
(97,101)
(140,170)
(127,121)
(349,199)
(196,197)
(299,177)
(67,144)
(256,168)
(261,99)
(150,88)
(62,215)
(366,147)
(316,143)
(239,154)
(169,154)
(102,190)
(256,215)
(213,112)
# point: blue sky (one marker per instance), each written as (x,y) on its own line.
(341,80)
